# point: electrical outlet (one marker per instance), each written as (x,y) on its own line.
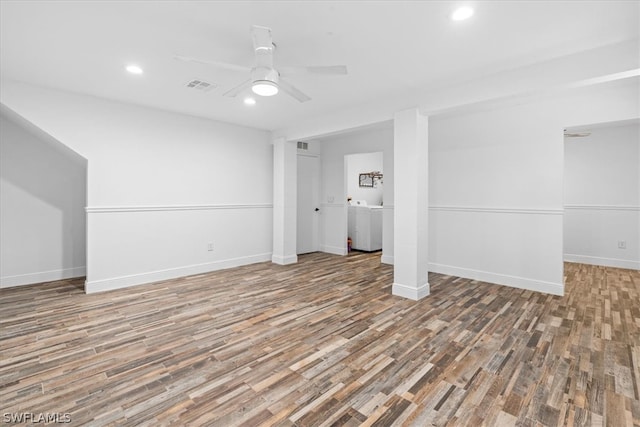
(210,246)
(622,244)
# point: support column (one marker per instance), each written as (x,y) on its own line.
(410,160)
(284,202)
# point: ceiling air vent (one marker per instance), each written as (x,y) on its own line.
(303,145)
(568,134)
(576,134)
(200,85)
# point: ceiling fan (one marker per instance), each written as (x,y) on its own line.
(265,79)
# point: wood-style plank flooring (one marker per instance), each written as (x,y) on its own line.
(324,342)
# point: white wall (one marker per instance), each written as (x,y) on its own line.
(42,201)
(161,186)
(333,238)
(363,163)
(495,185)
(602,197)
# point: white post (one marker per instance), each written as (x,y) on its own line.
(410,159)
(284,202)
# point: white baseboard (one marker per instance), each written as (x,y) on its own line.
(409,292)
(499,279)
(386,259)
(336,250)
(42,276)
(171,273)
(606,262)
(284,260)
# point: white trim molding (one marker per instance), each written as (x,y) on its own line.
(335,250)
(386,259)
(630,208)
(166,208)
(285,260)
(499,279)
(480,209)
(170,273)
(605,262)
(42,276)
(411,293)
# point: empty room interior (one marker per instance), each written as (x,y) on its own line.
(320,213)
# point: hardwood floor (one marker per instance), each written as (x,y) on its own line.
(324,342)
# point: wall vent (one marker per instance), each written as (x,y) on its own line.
(303,145)
(200,85)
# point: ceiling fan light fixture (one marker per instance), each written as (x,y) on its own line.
(134,69)
(264,88)
(462,13)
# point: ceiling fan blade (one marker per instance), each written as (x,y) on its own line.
(236,90)
(261,38)
(330,70)
(293,91)
(217,64)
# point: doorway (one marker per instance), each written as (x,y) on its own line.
(43,193)
(602,194)
(364,181)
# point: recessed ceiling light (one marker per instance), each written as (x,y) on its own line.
(264,88)
(462,13)
(250,101)
(134,69)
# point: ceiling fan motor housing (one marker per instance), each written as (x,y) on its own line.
(264,74)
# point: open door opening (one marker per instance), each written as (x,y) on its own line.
(602,194)
(364,183)
(43,195)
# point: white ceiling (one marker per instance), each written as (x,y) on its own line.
(393,49)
